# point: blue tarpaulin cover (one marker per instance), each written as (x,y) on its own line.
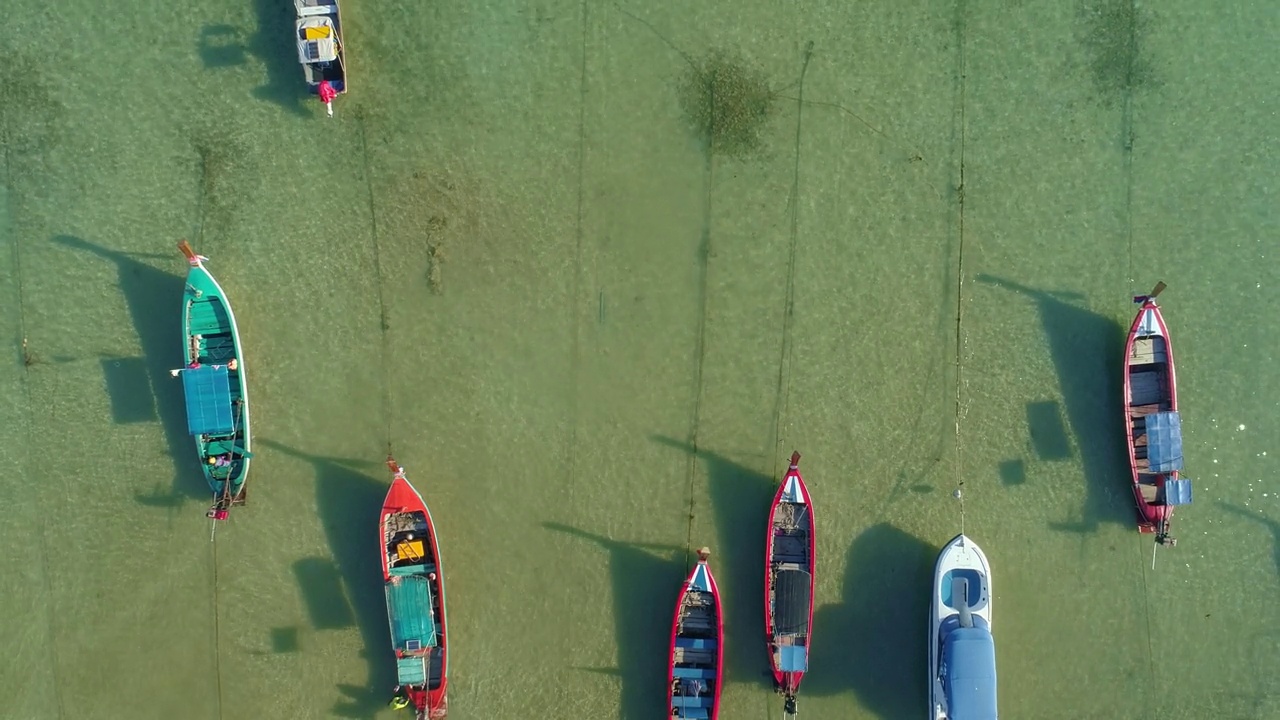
(208,391)
(793,658)
(1177,492)
(970,657)
(409,608)
(1164,442)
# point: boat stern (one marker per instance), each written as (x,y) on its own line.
(793,663)
(437,704)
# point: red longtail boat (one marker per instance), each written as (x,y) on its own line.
(695,663)
(414,582)
(788,586)
(1154,425)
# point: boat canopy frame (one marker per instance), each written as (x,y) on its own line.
(1164,442)
(208,395)
(411,602)
(791,596)
(317,40)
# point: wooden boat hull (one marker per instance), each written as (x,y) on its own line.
(790,552)
(413,581)
(695,661)
(1151,394)
(961,564)
(319,39)
(216,386)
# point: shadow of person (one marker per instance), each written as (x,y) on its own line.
(154,300)
(221,46)
(348,503)
(274,45)
(874,641)
(1087,350)
(740,500)
(645,581)
(1262,520)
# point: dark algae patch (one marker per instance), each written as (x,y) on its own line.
(424,214)
(222,161)
(1113,34)
(31,118)
(436,226)
(727,102)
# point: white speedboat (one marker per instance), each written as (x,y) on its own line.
(962,653)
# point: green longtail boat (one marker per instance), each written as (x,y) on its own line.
(213,379)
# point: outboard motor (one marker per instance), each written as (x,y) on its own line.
(960,588)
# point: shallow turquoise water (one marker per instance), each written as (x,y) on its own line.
(593,346)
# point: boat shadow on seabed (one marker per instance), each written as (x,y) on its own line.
(645,581)
(740,501)
(224,46)
(1087,351)
(141,389)
(874,640)
(348,588)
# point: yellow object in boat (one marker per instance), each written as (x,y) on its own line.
(409,550)
(318,33)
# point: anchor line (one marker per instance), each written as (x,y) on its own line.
(26,363)
(383,325)
(204,184)
(705,251)
(1146,612)
(217,605)
(959,338)
(701,343)
(575,360)
(1127,140)
(1126,129)
(217,633)
(783,396)
(17,268)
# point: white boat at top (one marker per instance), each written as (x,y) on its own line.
(962,653)
(318,35)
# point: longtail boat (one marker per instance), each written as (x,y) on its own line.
(962,652)
(1154,425)
(414,582)
(214,382)
(696,660)
(788,587)
(318,32)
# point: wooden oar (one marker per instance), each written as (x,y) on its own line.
(1159,288)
